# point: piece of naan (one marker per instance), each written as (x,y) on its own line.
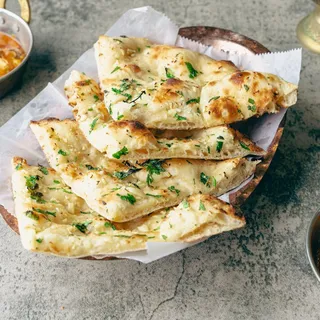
(53,220)
(121,192)
(109,136)
(174,88)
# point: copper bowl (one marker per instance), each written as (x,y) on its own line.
(313,244)
(13,25)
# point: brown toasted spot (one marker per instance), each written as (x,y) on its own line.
(173,83)
(164,95)
(229,64)
(134,68)
(237,78)
(225,109)
(83,83)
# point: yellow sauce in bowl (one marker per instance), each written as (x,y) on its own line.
(11,54)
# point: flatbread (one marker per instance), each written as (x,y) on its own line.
(109,136)
(182,89)
(54,220)
(121,192)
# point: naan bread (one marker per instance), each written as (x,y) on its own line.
(54,220)
(173,88)
(110,136)
(121,193)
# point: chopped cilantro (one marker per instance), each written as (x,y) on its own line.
(129,197)
(122,236)
(154,195)
(120,153)
(169,73)
(219,146)
(85,212)
(51,213)
(120,117)
(82,227)
(90,109)
(185,204)
(244,146)
(173,189)
(115,69)
(192,72)
(18,166)
(124,174)
(214,98)
(56,181)
(246,87)
(63,153)
(209,150)
(90,167)
(169,145)
(201,206)
(31,215)
(198,111)
(108,224)
(179,118)
(39,240)
(96,98)
(196,100)
(110,110)
(43,170)
(93,124)
(205,179)
(153,167)
(164,237)
(31,182)
(37,196)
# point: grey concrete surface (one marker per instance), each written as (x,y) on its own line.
(260,272)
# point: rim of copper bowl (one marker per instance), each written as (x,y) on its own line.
(29,48)
(313,259)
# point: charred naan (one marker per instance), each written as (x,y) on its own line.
(122,192)
(53,220)
(110,136)
(174,88)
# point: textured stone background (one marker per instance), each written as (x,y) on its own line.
(260,272)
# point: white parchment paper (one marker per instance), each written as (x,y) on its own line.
(16,138)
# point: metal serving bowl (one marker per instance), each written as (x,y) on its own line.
(313,244)
(13,25)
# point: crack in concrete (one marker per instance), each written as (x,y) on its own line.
(142,305)
(175,289)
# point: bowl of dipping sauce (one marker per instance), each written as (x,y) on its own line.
(15,46)
(313,244)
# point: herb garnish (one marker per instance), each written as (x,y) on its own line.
(122,236)
(219,146)
(154,195)
(123,174)
(18,166)
(246,87)
(120,153)
(196,100)
(108,224)
(82,227)
(252,107)
(129,197)
(153,167)
(115,69)
(43,170)
(31,215)
(169,73)
(192,72)
(90,167)
(164,237)
(96,98)
(56,181)
(201,206)
(244,146)
(173,189)
(31,182)
(205,179)
(39,240)
(51,213)
(37,196)
(179,118)
(63,153)
(185,204)
(93,124)
(214,98)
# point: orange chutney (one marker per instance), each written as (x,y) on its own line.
(11,53)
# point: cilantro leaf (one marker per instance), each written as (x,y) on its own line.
(153,167)
(214,98)
(179,118)
(93,124)
(244,146)
(219,146)
(63,153)
(120,153)
(196,100)
(43,170)
(192,72)
(201,206)
(129,197)
(82,227)
(173,189)
(169,73)
(124,174)
(108,224)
